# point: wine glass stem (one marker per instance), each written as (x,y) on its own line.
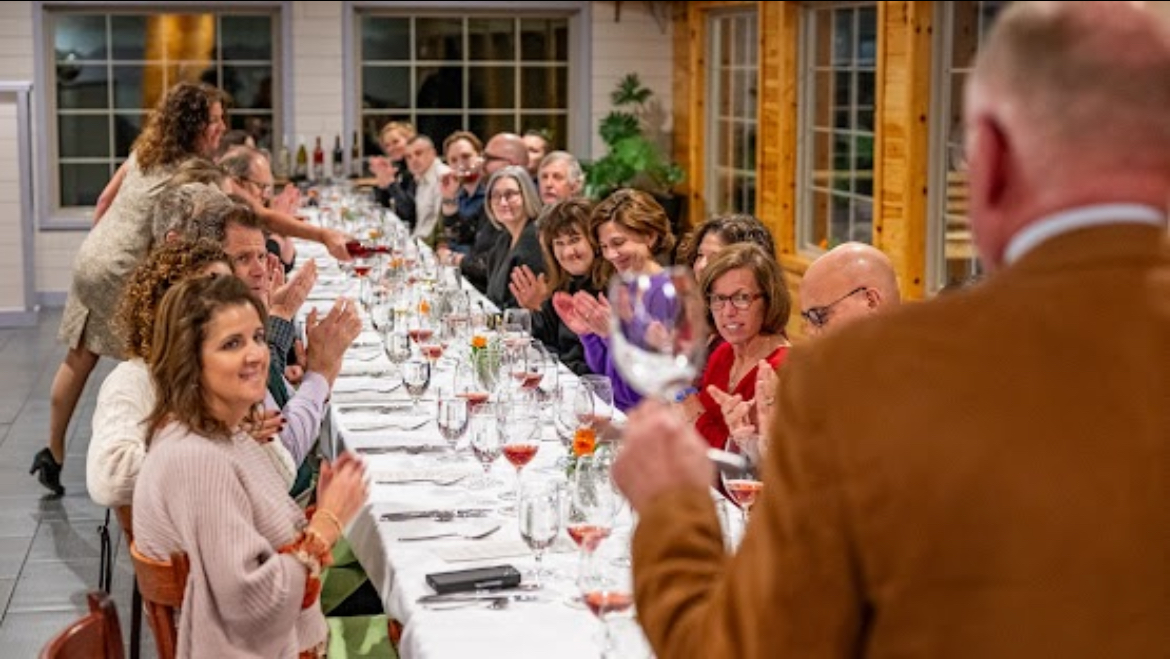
(539,568)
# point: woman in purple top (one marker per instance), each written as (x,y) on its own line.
(634,236)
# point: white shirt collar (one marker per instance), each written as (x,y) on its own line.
(1080,218)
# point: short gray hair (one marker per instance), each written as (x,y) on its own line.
(532,203)
(177,206)
(576,174)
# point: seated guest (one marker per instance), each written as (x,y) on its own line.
(570,261)
(462,190)
(513,207)
(537,146)
(748,305)
(205,488)
(634,235)
(428,172)
(704,241)
(395,184)
(251,178)
(560,177)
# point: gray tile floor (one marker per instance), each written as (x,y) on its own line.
(49,548)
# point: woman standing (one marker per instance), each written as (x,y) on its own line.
(206,487)
(187,122)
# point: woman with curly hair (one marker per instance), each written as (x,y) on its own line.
(187,122)
(127,396)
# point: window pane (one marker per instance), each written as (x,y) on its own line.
(439,126)
(492,87)
(386,87)
(256,124)
(128,88)
(439,87)
(126,129)
(250,86)
(544,87)
(82,87)
(246,38)
(491,39)
(732,99)
(385,38)
(544,39)
(129,36)
(843,37)
(486,125)
(81,184)
(80,36)
(555,126)
(83,136)
(867,36)
(438,38)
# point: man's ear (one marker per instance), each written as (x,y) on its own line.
(873,298)
(989,163)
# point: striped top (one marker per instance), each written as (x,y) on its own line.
(223,504)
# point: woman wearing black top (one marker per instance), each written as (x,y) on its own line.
(512,205)
(570,256)
(395,184)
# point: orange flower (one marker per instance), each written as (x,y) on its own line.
(584,441)
(424,307)
(478,342)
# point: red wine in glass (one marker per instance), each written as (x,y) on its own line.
(420,334)
(520,454)
(432,351)
(361,269)
(602,603)
(588,536)
(475,398)
(743,491)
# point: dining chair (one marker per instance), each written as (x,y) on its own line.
(126,521)
(95,636)
(162,584)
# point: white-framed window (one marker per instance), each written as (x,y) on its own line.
(486,72)
(838,88)
(107,67)
(952,259)
(733,104)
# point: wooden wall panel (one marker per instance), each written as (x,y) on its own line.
(778,113)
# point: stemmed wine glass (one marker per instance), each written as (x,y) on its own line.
(595,502)
(607,585)
(516,327)
(520,423)
(452,418)
(540,516)
(397,347)
(485,443)
(416,376)
(745,488)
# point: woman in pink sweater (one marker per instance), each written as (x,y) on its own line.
(206,488)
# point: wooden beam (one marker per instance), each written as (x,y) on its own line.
(778,117)
(902,146)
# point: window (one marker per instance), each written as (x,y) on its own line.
(835,190)
(953,260)
(732,82)
(111,68)
(486,74)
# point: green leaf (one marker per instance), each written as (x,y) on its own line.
(617,126)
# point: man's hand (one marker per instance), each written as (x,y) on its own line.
(530,290)
(294,373)
(660,452)
(331,337)
(286,298)
(334,241)
(384,171)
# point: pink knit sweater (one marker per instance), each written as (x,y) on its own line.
(223,504)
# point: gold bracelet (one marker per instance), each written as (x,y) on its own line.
(332,518)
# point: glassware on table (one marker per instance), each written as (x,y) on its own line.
(606,585)
(539,512)
(452,417)
(520,424)
(597,392)
(743,490)
(416,377)
(397,346)
(516,327)
(486,443)
(594,502)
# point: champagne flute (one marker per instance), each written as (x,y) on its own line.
(416,376)
(539,512)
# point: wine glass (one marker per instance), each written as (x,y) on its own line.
(745,488)
(416,376)
(607,585)
(516,327)
(520,424)
(594,504)
(397,347)
(658,333)
(452,418)
(598,392)
(485,443)
(539,513)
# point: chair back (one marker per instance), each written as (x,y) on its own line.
(95,636)
(162,585)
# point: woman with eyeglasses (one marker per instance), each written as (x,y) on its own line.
(748,306)
(512,205)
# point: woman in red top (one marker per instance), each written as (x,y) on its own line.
(749,306)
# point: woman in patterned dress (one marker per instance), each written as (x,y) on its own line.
(187,122)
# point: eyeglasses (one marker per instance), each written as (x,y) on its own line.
(505,195)
(818,316)
(265,188)
(740,301)
(489,157)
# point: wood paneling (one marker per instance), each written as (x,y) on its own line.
(902,145)
(778,114)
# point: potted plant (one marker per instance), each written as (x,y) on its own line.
(633,160)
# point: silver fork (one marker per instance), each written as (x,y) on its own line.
(478,535)
(391,424)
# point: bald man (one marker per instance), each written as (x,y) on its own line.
(848,282)
(982,474)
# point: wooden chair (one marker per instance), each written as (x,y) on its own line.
(126,521)
(162,585)
(96,636)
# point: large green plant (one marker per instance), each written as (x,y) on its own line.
(633,160)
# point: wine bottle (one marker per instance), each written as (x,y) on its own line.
(318,172)
(338,159)
(302,169)
(355,157)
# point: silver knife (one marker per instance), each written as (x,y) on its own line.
(423,514)
(521,591)
(374,408)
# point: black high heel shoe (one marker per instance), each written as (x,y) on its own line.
(48,471)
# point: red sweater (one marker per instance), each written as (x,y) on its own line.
(718,372)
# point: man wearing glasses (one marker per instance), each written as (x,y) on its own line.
(848,282)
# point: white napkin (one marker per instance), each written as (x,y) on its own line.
(481,550)
(378,368)
(378,385)
(397,422)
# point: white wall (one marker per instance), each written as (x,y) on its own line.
(635,43)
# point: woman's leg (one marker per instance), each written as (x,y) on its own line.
(67,387)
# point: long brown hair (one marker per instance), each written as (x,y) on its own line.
(165,266)
(564,218)
(174,127)
(636,212)
(177,361)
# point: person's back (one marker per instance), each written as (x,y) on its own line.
(1005,493)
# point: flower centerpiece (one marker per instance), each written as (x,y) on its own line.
(487,356)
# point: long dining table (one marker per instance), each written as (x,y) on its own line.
(370,414)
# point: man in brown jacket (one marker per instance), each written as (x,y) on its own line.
(985,474)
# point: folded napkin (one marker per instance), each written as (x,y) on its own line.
(482,550)
(396,422)
(422,474)
(379,369)
(365,384)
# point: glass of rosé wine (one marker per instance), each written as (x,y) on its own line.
(745,489)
